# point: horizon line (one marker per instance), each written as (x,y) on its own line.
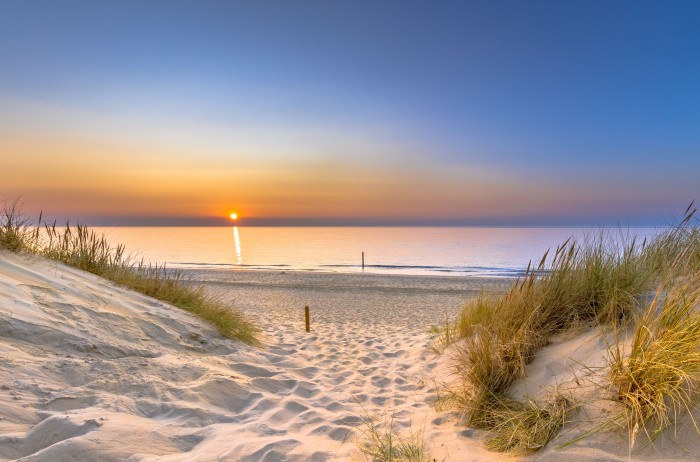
(535,222)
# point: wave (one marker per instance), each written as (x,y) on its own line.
(228,265)
(444,269)
(384,268)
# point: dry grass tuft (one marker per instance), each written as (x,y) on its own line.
(16,232)
(527,427)
(381,442)
(444,335)
(680,242)
(660,378)
(492,365)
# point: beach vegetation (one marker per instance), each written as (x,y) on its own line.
(16,232)
(381,441)
(604,280)
(657,377)
(82,248)
(443,335)
(522,427)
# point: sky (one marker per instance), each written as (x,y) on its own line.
(350,112)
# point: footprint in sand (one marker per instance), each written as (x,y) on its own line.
(69,403)
(291,410)
(334,433)
(306,390)
(51,431)
(250,370)
(280,387)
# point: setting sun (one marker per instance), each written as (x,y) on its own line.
(233,216)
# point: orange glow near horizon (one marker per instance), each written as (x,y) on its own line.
(95,176)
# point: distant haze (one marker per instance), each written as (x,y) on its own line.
(351,113)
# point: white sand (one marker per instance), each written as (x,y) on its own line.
(90,371)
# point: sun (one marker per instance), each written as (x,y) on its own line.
(234,216)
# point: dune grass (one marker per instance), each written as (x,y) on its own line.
(603,280)
(82,248)
(658,380)
(444,335)
(16,232)
(677,250)
(382,442)
(523,427)
(598,283)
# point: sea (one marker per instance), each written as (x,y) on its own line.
(444,251)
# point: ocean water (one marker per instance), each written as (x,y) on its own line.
(449,251)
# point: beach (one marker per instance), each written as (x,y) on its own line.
(349,231)
(92,371)
(368,353)
(376,301)
(97,372)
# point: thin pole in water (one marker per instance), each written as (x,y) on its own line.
(307,318)
(363,261)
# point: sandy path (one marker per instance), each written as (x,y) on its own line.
(90,371)
(369,352)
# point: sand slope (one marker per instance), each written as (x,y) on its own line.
(90,371)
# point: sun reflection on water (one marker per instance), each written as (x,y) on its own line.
(237,244)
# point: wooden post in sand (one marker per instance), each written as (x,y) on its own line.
(307,318)
(363,261)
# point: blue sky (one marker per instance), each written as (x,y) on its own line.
(498,112)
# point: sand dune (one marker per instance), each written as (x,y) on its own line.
(95,372)
(90,371)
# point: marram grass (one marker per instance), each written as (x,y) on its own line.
(604,280)
(659,379)
(524,427)
(82,248)
(16,233)
(382,442)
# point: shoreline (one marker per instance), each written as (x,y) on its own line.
(367,279)
(207,267)
(422,301)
